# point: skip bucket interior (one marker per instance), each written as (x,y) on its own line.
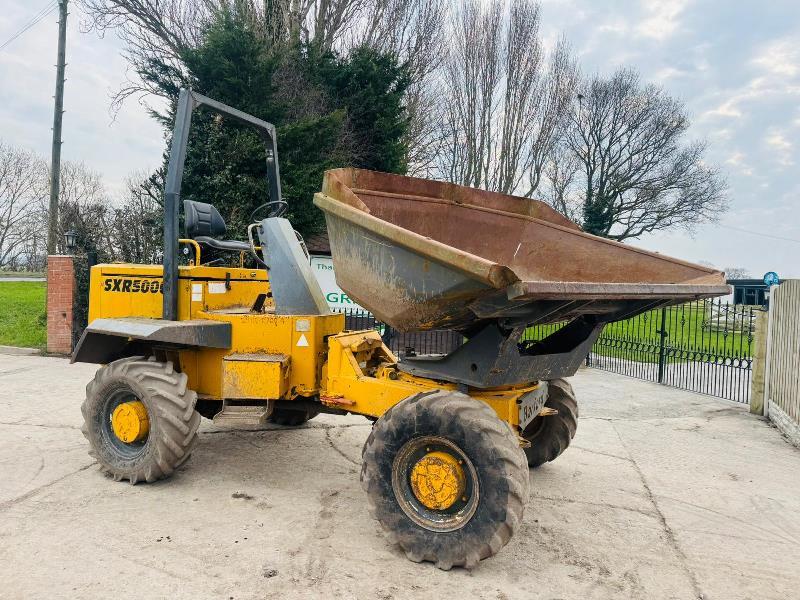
(423,254)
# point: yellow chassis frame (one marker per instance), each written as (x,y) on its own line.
(348,385)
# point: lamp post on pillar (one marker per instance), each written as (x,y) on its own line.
(70,240)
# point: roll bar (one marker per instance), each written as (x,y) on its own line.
(188,100)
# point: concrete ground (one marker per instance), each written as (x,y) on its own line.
(663,494)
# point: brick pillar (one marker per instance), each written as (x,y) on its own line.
(60,292)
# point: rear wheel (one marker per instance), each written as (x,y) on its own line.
(445,478)
(551,435)
(208,409)
(289,416)
(140,419)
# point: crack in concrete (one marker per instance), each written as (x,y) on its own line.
(21,424)
(701,415)
(784,536)
(38,470)
(27,495)
(336,448)
(671,539)
(15,371)
(246,440)
(601,453)
(598,504)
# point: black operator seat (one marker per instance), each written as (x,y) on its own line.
(204,224)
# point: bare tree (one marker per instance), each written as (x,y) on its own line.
(737,273)
(136,222)
(126,230)
(84,207)
(23,185)
(160,30)
(638,174)
(505,102)
(561,180)
(151,30)
(412,30)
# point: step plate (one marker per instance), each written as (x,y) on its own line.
(242,416)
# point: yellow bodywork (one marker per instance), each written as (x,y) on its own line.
(272,357)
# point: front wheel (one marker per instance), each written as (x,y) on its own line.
(445,478)
(140,419)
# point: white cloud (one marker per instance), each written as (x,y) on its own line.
(662,75)
(781,146)
(737,160)
(662,19)
(726,109)
(758,88)
(617,27)
(724,60)
(776,140)
(780,57)
(776,74)
(722,134)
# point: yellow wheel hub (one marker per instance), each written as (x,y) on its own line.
(130,422)
(437,480)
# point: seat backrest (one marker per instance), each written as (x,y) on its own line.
(201,219)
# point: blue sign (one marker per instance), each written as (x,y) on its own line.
(771,279)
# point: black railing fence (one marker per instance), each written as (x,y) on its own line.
(703,346)
(402,344)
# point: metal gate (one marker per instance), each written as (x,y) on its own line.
(703,346)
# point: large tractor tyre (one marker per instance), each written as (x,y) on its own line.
(551,435)
(290,417)
(140,419)
(445,478)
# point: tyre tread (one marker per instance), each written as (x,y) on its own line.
(480,424)
(174,406)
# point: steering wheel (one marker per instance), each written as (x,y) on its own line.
(273,208)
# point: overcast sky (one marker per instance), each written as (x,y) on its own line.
(736,65)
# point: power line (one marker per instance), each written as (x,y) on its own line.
(51,6)
(767,235)
(36,19)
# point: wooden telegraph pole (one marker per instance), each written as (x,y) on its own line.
(58,111)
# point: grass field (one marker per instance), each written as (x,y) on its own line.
(22,314)
(687,330)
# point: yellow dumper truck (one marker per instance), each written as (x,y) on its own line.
(445,468)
